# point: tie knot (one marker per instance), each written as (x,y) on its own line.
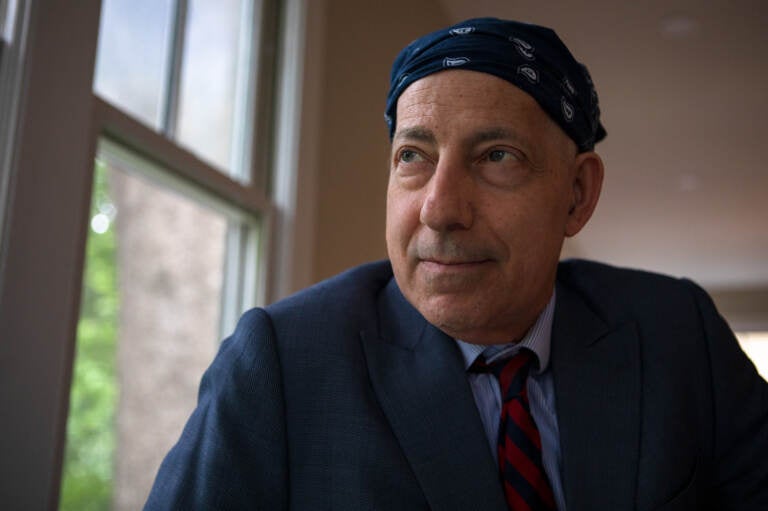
(511,372)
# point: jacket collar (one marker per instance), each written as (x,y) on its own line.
(596,371)
(418,376)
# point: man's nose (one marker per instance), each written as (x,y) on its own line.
(447,205)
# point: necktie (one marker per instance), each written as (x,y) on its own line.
(526,486)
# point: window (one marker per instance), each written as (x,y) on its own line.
(245,187)
(132,57)
(178,210)
(153,290)
(150,316)
(188,69)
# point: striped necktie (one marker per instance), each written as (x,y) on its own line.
(526,486)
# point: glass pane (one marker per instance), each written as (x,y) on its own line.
(87,479)
(13,23)
(131,61)
(213,69)
(149,326)
(8,10)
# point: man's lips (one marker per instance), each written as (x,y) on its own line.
(440,263)
(447,253)
(447,262)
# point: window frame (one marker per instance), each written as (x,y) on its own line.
(45,214)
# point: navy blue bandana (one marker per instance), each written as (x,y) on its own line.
(532,58)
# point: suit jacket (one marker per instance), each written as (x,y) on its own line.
(344,397)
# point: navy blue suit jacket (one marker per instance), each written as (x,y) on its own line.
(343,397)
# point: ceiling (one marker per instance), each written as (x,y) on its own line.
(683,88)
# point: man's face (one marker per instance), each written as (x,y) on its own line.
(478,203)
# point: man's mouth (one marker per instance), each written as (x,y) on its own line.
(453,263)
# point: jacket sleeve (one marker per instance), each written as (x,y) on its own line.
(232,453)
(740,404)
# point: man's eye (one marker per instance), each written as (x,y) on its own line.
(499,155)
(409,156)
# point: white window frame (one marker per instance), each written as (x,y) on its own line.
(49,169)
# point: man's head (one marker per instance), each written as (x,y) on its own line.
(484,183)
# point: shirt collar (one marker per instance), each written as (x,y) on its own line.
(538,339)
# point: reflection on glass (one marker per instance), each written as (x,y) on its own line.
(210,73)
(132,56)
(148,328)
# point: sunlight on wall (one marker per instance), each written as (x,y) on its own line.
(756,346)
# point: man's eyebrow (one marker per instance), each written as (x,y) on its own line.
(422,134)
(415,133)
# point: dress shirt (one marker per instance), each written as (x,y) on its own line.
(541,393)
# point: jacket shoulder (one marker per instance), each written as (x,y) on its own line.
(347,292)
(581,272)
(623,293)
(339,307)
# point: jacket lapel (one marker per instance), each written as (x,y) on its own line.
(418,376)
(596,370)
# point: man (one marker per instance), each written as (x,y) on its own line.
(476,372)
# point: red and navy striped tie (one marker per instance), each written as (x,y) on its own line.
(525,483)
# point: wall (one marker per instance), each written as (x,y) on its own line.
(361,41)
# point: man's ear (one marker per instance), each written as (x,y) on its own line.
(587,180)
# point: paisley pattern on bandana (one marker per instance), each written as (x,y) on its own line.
(531,57)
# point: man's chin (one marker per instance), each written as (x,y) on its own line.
(457,316)
(470,317)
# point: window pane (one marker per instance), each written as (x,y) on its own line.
(134,36)
(170,260)
(87,478)
(214,76)
(149,326)
(13,22)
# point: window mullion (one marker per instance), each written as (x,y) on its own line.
(114,124)
(264,64)
(170,106)
(245,80)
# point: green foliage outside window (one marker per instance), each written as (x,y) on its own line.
(88,462)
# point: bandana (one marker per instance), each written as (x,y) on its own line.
(531,57)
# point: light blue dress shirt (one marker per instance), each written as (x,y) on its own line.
(541,393)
